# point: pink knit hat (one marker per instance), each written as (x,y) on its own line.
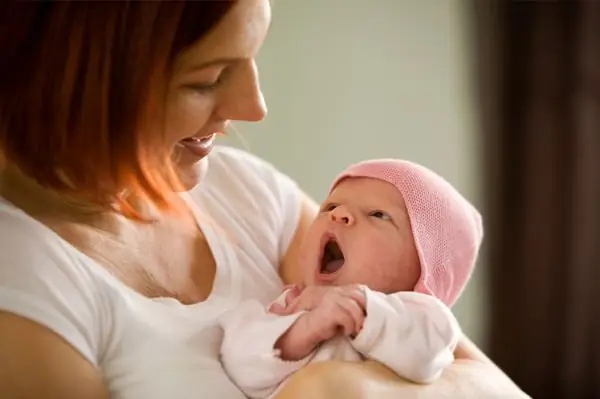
(447,229)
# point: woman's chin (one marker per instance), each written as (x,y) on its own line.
(191,175)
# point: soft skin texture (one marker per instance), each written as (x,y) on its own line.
(471,376)
(369,221)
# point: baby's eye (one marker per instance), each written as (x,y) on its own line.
(379,215)
(328,207)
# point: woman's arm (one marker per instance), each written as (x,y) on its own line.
(466,349)
(37,363)
(464,379)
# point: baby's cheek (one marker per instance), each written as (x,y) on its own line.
(405,276)
(375,271)
(390,272)
(392,278)
(308,258)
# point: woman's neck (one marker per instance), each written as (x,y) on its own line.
(52,207)
(48,205)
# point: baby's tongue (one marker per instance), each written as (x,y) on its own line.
(333,266)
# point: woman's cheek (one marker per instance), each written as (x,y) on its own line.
(187,114)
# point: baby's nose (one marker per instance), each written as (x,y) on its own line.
(341,214)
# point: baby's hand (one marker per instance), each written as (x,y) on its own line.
(291,291)
(331,311)
(308,298)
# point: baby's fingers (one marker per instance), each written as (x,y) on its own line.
(355,313)
(277,309)
(293,294)
(307,299)
(344,324)
(357,294)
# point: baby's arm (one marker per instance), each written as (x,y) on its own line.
(411,333)
(247,352)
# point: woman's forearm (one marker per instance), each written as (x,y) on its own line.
(324,380)
(472,375)
(463,379)
(467,349)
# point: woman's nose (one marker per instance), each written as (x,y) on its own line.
(341,214)
(243,100)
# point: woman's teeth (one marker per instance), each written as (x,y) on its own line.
(200,146)
(204,139)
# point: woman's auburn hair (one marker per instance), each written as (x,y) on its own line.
(83,88)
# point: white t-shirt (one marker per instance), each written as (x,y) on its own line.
(157,348)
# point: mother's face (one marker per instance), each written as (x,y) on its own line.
(215,81)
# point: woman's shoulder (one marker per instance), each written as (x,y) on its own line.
(21,236)
(33,254)
(242,190)
(241,176)
(235,172)
(24,238)
(227,159)
(41,279)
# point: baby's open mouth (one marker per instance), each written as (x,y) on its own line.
(332,259)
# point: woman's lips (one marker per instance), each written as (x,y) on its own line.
(199,146)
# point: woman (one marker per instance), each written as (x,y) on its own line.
(124,233)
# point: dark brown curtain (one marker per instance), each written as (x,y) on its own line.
(539,74)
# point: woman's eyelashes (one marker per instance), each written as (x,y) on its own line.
(211,86)
(205,88)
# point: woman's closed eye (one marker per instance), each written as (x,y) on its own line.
(210,86)
(206,87)
(378,214)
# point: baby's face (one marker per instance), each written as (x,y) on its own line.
(362,236)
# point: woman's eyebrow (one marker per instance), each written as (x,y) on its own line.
(215,62)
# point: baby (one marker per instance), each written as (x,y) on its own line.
(391,250)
